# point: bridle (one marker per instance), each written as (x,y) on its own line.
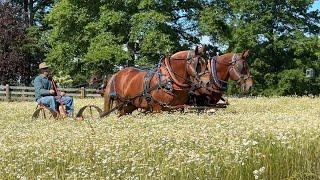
(237,69)
(173,75)
(233,68)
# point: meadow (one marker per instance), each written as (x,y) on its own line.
(254,138)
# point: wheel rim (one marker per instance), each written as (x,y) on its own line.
(89,112)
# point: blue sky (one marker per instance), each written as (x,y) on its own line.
(316,5)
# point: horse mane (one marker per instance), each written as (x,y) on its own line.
(182,54)
(225,58)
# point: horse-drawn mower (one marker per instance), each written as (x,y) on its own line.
(83,112)
(44,112)
(169,86)
(94,112)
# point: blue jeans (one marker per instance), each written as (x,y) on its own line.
(52,103)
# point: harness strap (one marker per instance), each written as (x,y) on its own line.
(113,94)
(172,75)
(165,85)
(146,85)
(222,85)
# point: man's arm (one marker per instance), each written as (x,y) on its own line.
(39,89)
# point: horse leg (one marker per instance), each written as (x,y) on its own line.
(128,109)
(121,112)
(108,101)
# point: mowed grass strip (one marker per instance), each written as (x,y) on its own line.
(254,138)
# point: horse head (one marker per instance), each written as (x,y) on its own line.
(198,67)
(237,69)
(201,70)
(184,66)
(217,72)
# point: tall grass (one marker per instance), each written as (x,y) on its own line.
(258,138)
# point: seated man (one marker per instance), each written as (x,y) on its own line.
(46,95)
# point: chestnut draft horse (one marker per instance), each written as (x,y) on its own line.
(232,66)
(168,85)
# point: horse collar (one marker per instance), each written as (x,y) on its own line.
(222,85)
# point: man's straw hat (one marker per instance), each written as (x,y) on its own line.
(43,65)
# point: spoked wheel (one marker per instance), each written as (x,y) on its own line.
(89,112)
(44,113)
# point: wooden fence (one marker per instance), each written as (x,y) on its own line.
(22,93)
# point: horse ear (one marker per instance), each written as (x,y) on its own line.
(196,51)
(203,48)
(245,54)
(199,50)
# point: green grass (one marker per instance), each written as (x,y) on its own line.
(260,138)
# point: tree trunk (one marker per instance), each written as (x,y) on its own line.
(26,10)
(31,13)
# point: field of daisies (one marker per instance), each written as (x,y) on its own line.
(254,138)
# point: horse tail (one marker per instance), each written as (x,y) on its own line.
(108,100)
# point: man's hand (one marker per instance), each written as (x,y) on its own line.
(51,91)
(62,93)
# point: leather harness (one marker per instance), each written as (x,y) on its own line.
(166,85)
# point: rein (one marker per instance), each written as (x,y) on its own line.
(58,92)
(172,74)
(86,83)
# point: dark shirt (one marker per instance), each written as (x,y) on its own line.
(42,86)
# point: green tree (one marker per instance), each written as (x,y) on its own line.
(283,36)
(34,49)
(89,37)
(34,10)
(35,46)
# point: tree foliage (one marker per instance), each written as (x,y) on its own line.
(81,38)
(96,36)
(34,10)
(283,37)
(13,67)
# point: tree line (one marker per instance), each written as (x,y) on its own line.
(79,38)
